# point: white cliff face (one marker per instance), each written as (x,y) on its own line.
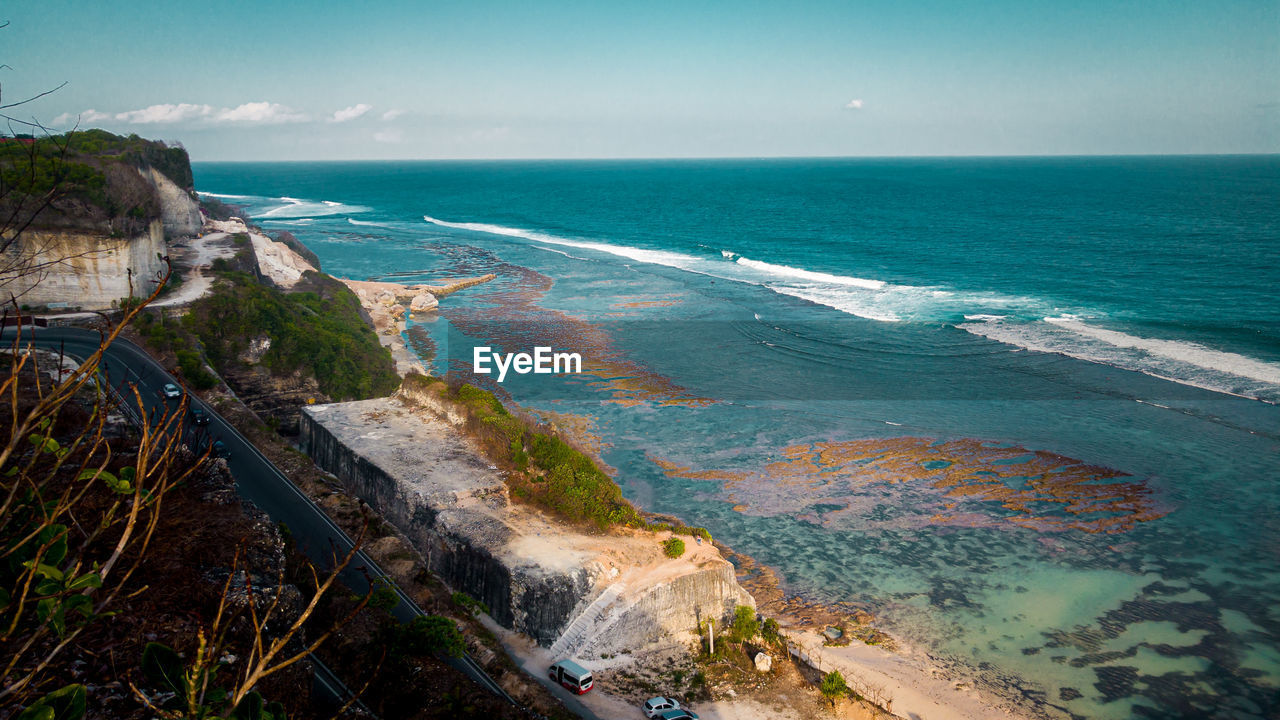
(278,261)
(178,211)
(91,272)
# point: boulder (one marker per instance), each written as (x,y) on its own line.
(764,663)
(386,297)
(423,302)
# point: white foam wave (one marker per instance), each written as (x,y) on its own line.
(870,299)
(1179,351)
(225,196)
(298,208)
(810,275)
(859,304)
(728,254)
(1179,361)
(657,257)
(367,223)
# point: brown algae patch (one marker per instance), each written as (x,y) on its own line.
(514,318)
(663,301)
(965,479)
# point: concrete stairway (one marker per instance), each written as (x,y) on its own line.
(584,626)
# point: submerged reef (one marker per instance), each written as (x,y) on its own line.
(966,482)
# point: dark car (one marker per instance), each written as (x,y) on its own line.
(220,449)
(199,416)
(680,714)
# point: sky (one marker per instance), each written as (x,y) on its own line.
(323,80)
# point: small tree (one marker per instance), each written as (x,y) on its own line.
(433,634)
(833,686)
(745,626)
(673,547)
(770,630)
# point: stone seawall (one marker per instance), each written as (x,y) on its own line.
(440,499)
(574,591)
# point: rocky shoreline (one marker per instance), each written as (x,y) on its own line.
(389,305)
(904,682)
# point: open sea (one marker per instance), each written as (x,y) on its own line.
(1023,410)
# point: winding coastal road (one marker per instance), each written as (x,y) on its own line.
(125,366)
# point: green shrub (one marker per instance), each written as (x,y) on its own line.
(769,631)
(745,626)
(833,686)
(433,634)
(469,604)
(673,547)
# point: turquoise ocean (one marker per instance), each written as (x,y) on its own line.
(1023,410)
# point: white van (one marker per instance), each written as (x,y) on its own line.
(571,675)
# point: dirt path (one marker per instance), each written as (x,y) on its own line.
(193,258)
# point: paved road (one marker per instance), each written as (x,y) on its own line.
(125,365)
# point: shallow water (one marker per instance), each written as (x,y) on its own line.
(1088,518)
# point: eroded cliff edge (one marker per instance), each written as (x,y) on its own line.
(580,594)
(88,217)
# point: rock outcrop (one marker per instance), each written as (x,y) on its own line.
(104,235)
(279,262)
(178,211)
(577,593)
(89,270)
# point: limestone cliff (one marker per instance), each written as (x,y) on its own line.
(179,212)
(572,591)
(91,272)
(87,215)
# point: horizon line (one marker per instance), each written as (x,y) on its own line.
(758,157)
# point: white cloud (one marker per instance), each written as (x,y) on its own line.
(88,116)
(259,113)
(388,136)
(164,114)
(393,114)
(855,104)
(254,113)
(350,113)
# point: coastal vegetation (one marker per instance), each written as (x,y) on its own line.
(543,468)
(318,332)
(673,547)
(86,178)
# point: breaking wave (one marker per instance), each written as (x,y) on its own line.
(1025,322)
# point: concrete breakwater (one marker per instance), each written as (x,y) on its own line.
(581,594)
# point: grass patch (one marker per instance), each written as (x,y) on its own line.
(543,468)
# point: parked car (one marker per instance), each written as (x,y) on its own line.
(220,449)
(171,391)
(199,416)
(681,714)
(572,676)
(655,705)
